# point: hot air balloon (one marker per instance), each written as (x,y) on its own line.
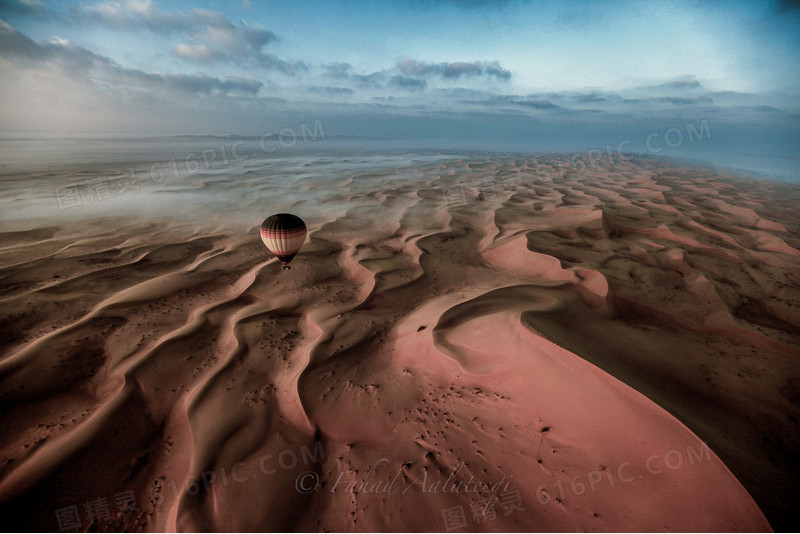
(283,234)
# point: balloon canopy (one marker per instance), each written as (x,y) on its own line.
(283,234)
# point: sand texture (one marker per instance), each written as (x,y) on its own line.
(482,343)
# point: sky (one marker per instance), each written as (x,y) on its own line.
(603,71)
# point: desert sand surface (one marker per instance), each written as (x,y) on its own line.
(466,342)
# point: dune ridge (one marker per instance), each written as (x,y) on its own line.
(539,324)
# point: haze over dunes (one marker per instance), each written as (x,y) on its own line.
(600,344)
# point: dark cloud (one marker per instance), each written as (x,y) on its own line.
(373,80)
(241,85)
(683,83)
(463,93)
(343,72)
(458,69)
(337,70)
(196,83)
(724,94)
(592,97)
(535,104)
(187,83)
(680,84)
(683,101)
(573,97)
(272,62)
(476,68)
(331,91)
(569,102)
(514,100)
(471,4)
(492,68)
(412,67)
(408,82)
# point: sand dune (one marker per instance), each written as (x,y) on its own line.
(609,347)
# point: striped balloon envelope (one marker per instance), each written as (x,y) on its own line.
(283,234)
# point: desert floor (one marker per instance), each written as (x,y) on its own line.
(475,342)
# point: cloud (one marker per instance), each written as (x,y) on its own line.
(535,104)
(91,68)
(592,98)
(514,100)
(203,83)
(331,91)
(373,80)
(729,94)
(686,82)
(211,36)
(682,84)
(208,41)
(458,69)
(200,83)
(408,82)
(653,97)
(237,41)
(409,74)
(272,62)
(198,53)
(650,95)
(683,101)
(74,60)
(412,67)
(337,70)
(134,14)
(219,40)
(570,103)
(472,4)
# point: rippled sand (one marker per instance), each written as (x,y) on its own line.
(559,338)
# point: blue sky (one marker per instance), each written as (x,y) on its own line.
(401,68)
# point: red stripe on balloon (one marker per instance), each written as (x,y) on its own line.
(272,234)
